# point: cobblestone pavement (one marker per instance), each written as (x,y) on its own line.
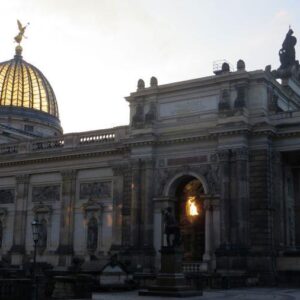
(234,294)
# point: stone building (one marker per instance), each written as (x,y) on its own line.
(222,151)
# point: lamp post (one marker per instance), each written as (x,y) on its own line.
(36,232)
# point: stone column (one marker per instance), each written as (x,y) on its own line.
(136,233)
(65,248)
(242,196)
(118,172)
(148,204)
(208,230)
(224,160)
(19,235)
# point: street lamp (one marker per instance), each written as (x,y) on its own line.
(36,232)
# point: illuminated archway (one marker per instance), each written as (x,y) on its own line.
(189,190)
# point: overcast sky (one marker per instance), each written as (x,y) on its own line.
(94,51)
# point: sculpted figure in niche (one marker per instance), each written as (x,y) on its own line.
(150,115)
(240,99)
(92,234)
(43,235)
(138,117)
(225,100)
(171,228)
(287,53)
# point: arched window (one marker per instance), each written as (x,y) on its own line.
(1,234)
(43,235)
(92,234)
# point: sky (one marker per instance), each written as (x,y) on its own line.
(94,51)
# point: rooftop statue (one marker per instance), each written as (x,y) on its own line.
(19,37)
(287,53)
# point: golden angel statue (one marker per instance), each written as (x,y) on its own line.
(19,37)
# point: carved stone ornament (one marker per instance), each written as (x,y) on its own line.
(151,114)
(68,174)
(3,216)
(224,155)
(272,100)
(241,153)
(42,211)
(7,196)
(140,84)
(22,179)
(224,103)
(210,172)
(138,117)
(91,209)
(95,190)
(153,82)
(119,170)
(240,100)
(46,193)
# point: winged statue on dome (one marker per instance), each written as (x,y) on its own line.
(20,35)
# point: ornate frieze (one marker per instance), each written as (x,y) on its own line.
(95,190)
(7,196)
(187,160)
(46,193)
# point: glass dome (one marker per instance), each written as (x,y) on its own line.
(23,85)
(27,100)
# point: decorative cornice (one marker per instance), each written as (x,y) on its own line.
(63,157)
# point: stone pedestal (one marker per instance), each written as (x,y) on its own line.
(170,281)
(64,287)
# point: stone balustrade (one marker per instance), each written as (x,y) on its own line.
(192,267)
(67,141)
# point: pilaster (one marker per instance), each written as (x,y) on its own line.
(224,161)
(19,234)
(65,248)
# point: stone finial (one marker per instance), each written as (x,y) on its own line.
(153,81)
(225,67)
(268,68)
(240,65)
(140,84)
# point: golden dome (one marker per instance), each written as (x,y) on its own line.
(24,86)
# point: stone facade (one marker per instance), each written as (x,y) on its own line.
(102,192)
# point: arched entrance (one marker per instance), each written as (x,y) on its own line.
(188,193)
(198,215)
(189,208)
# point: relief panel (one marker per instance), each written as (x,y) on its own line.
(46,193)
(7,196)
(95,190)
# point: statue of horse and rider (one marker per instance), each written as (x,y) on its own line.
(171,228)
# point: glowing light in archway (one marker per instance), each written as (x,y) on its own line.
(192,209)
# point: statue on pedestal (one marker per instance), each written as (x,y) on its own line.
(287,53)
(171,228)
